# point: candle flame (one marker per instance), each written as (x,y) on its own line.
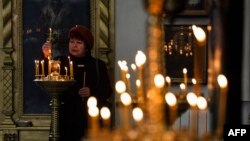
(170,98)
(138,83)
(201,103)
(92,102)
(184,71)
(105,113)
(199,33)
(194,81)
(140,58)
(126,99)
(93,111)
(137,114)
(182,86)
(133,66)
(123,65)
(222,81)
(120,86)
(192,99)
(159,80)
(168,79)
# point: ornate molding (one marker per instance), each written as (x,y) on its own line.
(103,31)
(8,67)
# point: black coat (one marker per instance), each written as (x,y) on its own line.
(73,111)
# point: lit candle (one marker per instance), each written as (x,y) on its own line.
(183,88)
(202,105)
(120,87)
(50,34)
(168,80)
(222,81)
(133,67)
(126,101)
(94,119)
(66,69)
(93,112)
(171,100)
(185,77)
(192,100)
(159,83)
(69,59)
(37,67)
(105,114)
(137,115)
(199,34)
(42,63)
(194,85)
(124,68)
(140,60)
(128,83)
(49,66)
(71,69)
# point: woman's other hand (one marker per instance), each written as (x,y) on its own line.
(84,92)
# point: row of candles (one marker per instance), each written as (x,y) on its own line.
(129,106)
(195,100)
(53,67)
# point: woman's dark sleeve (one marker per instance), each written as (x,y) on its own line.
(105,89)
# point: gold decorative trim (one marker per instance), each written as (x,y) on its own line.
(8,103)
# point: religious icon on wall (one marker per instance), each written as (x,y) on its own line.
(181,47)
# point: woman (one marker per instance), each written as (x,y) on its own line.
(73,114)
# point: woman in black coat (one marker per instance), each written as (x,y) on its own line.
(73,117)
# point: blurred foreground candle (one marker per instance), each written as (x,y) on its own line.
(128,83)
(105,114)
(202,105)
(195,86)
(125,113)
(94,119)
(168,80)
(120,87)
(137,115)
(183,88)
(92,102)
(222,81)
(124,69)
(192,100)
(93,114)
(185,76)
(140,60)
(199,34)
(171,100)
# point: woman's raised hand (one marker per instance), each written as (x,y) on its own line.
(46,48)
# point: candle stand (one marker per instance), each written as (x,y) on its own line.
(54,88)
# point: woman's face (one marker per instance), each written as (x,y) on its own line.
(77,47)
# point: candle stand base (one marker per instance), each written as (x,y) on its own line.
(54,88)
